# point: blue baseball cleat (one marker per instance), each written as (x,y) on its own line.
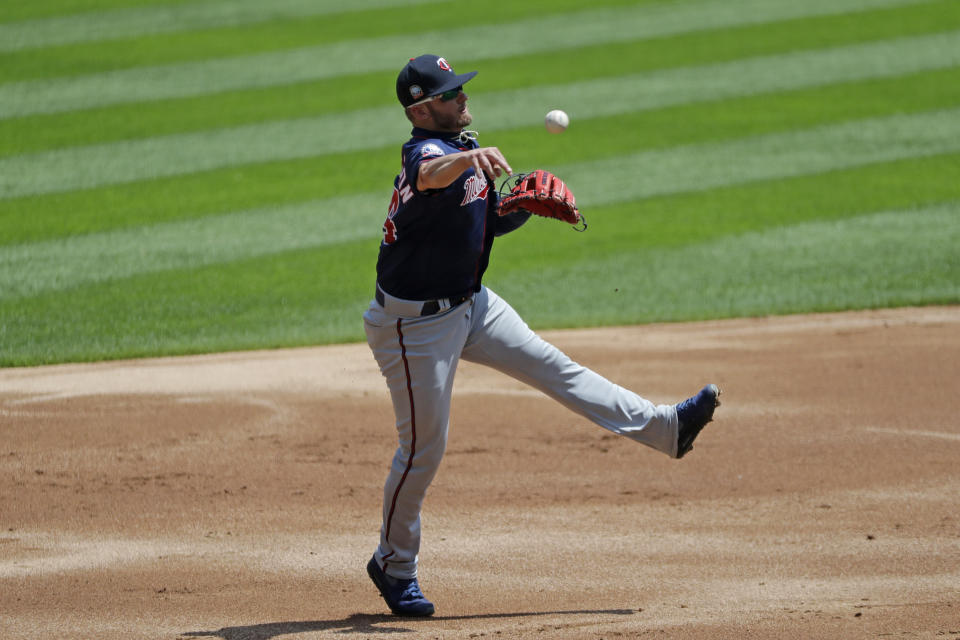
(693,415)
(402,596)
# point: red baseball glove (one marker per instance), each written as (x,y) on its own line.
(543,194)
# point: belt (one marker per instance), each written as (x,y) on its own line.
(401,307)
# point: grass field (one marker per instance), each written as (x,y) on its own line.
(191,176)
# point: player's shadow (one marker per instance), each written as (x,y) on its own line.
(367,623)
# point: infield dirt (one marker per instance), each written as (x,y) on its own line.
(237,496)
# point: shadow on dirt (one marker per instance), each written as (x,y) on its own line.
(367,623)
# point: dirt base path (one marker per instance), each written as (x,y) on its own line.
(237,496)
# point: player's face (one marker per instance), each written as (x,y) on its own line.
(452,115)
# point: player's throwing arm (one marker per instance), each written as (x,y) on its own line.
(441,172)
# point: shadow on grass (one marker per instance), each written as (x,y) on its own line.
(368,623)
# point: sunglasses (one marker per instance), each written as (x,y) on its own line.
(446,96)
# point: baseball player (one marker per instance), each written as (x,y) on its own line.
(430,310)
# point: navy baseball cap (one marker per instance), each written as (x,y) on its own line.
(426,76)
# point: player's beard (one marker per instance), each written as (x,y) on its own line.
(447,121)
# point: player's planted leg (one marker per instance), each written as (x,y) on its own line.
(402,596)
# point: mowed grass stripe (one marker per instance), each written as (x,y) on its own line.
(883,259)
(164,117)
(887,259)
(275,35)
(704,166)
(768,74)
(680,219)
(31,268)
(545,33)
(280,183)
(128,161)
(40,10)
(267,302)
(130,22)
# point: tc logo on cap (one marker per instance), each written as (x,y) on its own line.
(443,64)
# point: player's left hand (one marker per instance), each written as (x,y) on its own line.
(542,194)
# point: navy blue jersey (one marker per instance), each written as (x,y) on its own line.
(436,243)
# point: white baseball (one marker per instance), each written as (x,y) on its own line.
(556,121)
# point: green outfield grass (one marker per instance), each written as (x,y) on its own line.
(184,177)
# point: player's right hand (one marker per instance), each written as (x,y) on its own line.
(490,161)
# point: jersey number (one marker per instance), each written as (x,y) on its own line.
(401,194)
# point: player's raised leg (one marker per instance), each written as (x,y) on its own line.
(502,340)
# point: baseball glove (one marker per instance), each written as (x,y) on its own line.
(543,194)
